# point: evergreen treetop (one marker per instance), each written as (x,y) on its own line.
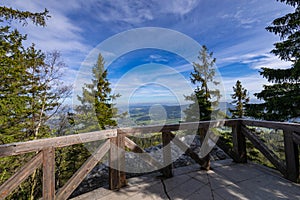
(205,96)
(281,101)
(240,99)
(97,100)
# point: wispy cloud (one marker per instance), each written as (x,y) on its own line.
(241,19)
(60,33)
(180,6)
(258,61)
(268,61)
(234,30)
(252,82)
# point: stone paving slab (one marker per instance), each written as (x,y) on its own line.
(226,180)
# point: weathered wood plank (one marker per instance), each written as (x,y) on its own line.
(49,173)
(122,163)
(13,182)
(114,179)
(144,155)
(185,148)
(78,177)
(239,144)
(291,156)
(273,125)
(167,155)
(205,138)
(264,150)
(117,176)
(296,138)
(37,145)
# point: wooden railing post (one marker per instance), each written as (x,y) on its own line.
(202,134)
(291,156)
(239,143)
(167,155)
(49,173)
(117,175)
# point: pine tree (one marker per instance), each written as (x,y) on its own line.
(281,100)
(16,80)
(31,93)
(241,98)
(204,99)
(97,111)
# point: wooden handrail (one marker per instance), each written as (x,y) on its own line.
(117,139)
(62,141)
(273,125)
(78,177)
(264,150)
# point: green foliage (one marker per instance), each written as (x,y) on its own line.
(31,93)
(18,83)
(281,101)
(9,14)
(241,98)
(204,98)
(97,111)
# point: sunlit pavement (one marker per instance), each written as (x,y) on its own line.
(226,180)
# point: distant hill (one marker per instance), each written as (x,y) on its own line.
(140,112)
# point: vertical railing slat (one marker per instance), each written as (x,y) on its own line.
(49,173)
(291,156)
(239,143)
(117,175)
(167,155)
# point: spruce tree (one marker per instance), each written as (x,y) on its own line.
(204,99)
(240,99)
(281,100)
(16,84)
(16,80)
(97,110)
(30,94)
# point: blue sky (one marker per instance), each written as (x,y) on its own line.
(234,30)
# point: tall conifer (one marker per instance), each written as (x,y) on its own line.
(281,100)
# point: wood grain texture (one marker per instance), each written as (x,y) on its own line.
(144,155)
(49,173)
(291,157)
(13,182)
(37,145)
(78,177)
(264,150)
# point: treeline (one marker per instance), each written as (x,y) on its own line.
(32,97)
(279,100)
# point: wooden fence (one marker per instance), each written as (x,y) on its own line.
(117,139)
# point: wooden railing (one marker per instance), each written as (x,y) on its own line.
(117,139)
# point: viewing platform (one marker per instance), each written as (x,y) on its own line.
(226,179)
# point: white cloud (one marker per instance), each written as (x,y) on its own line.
(181,6)
(60,32)
(241,18)
(152,81)
(252,82)
(136,12)
(258,60)
(268,61)
(125,10)
(157,58)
